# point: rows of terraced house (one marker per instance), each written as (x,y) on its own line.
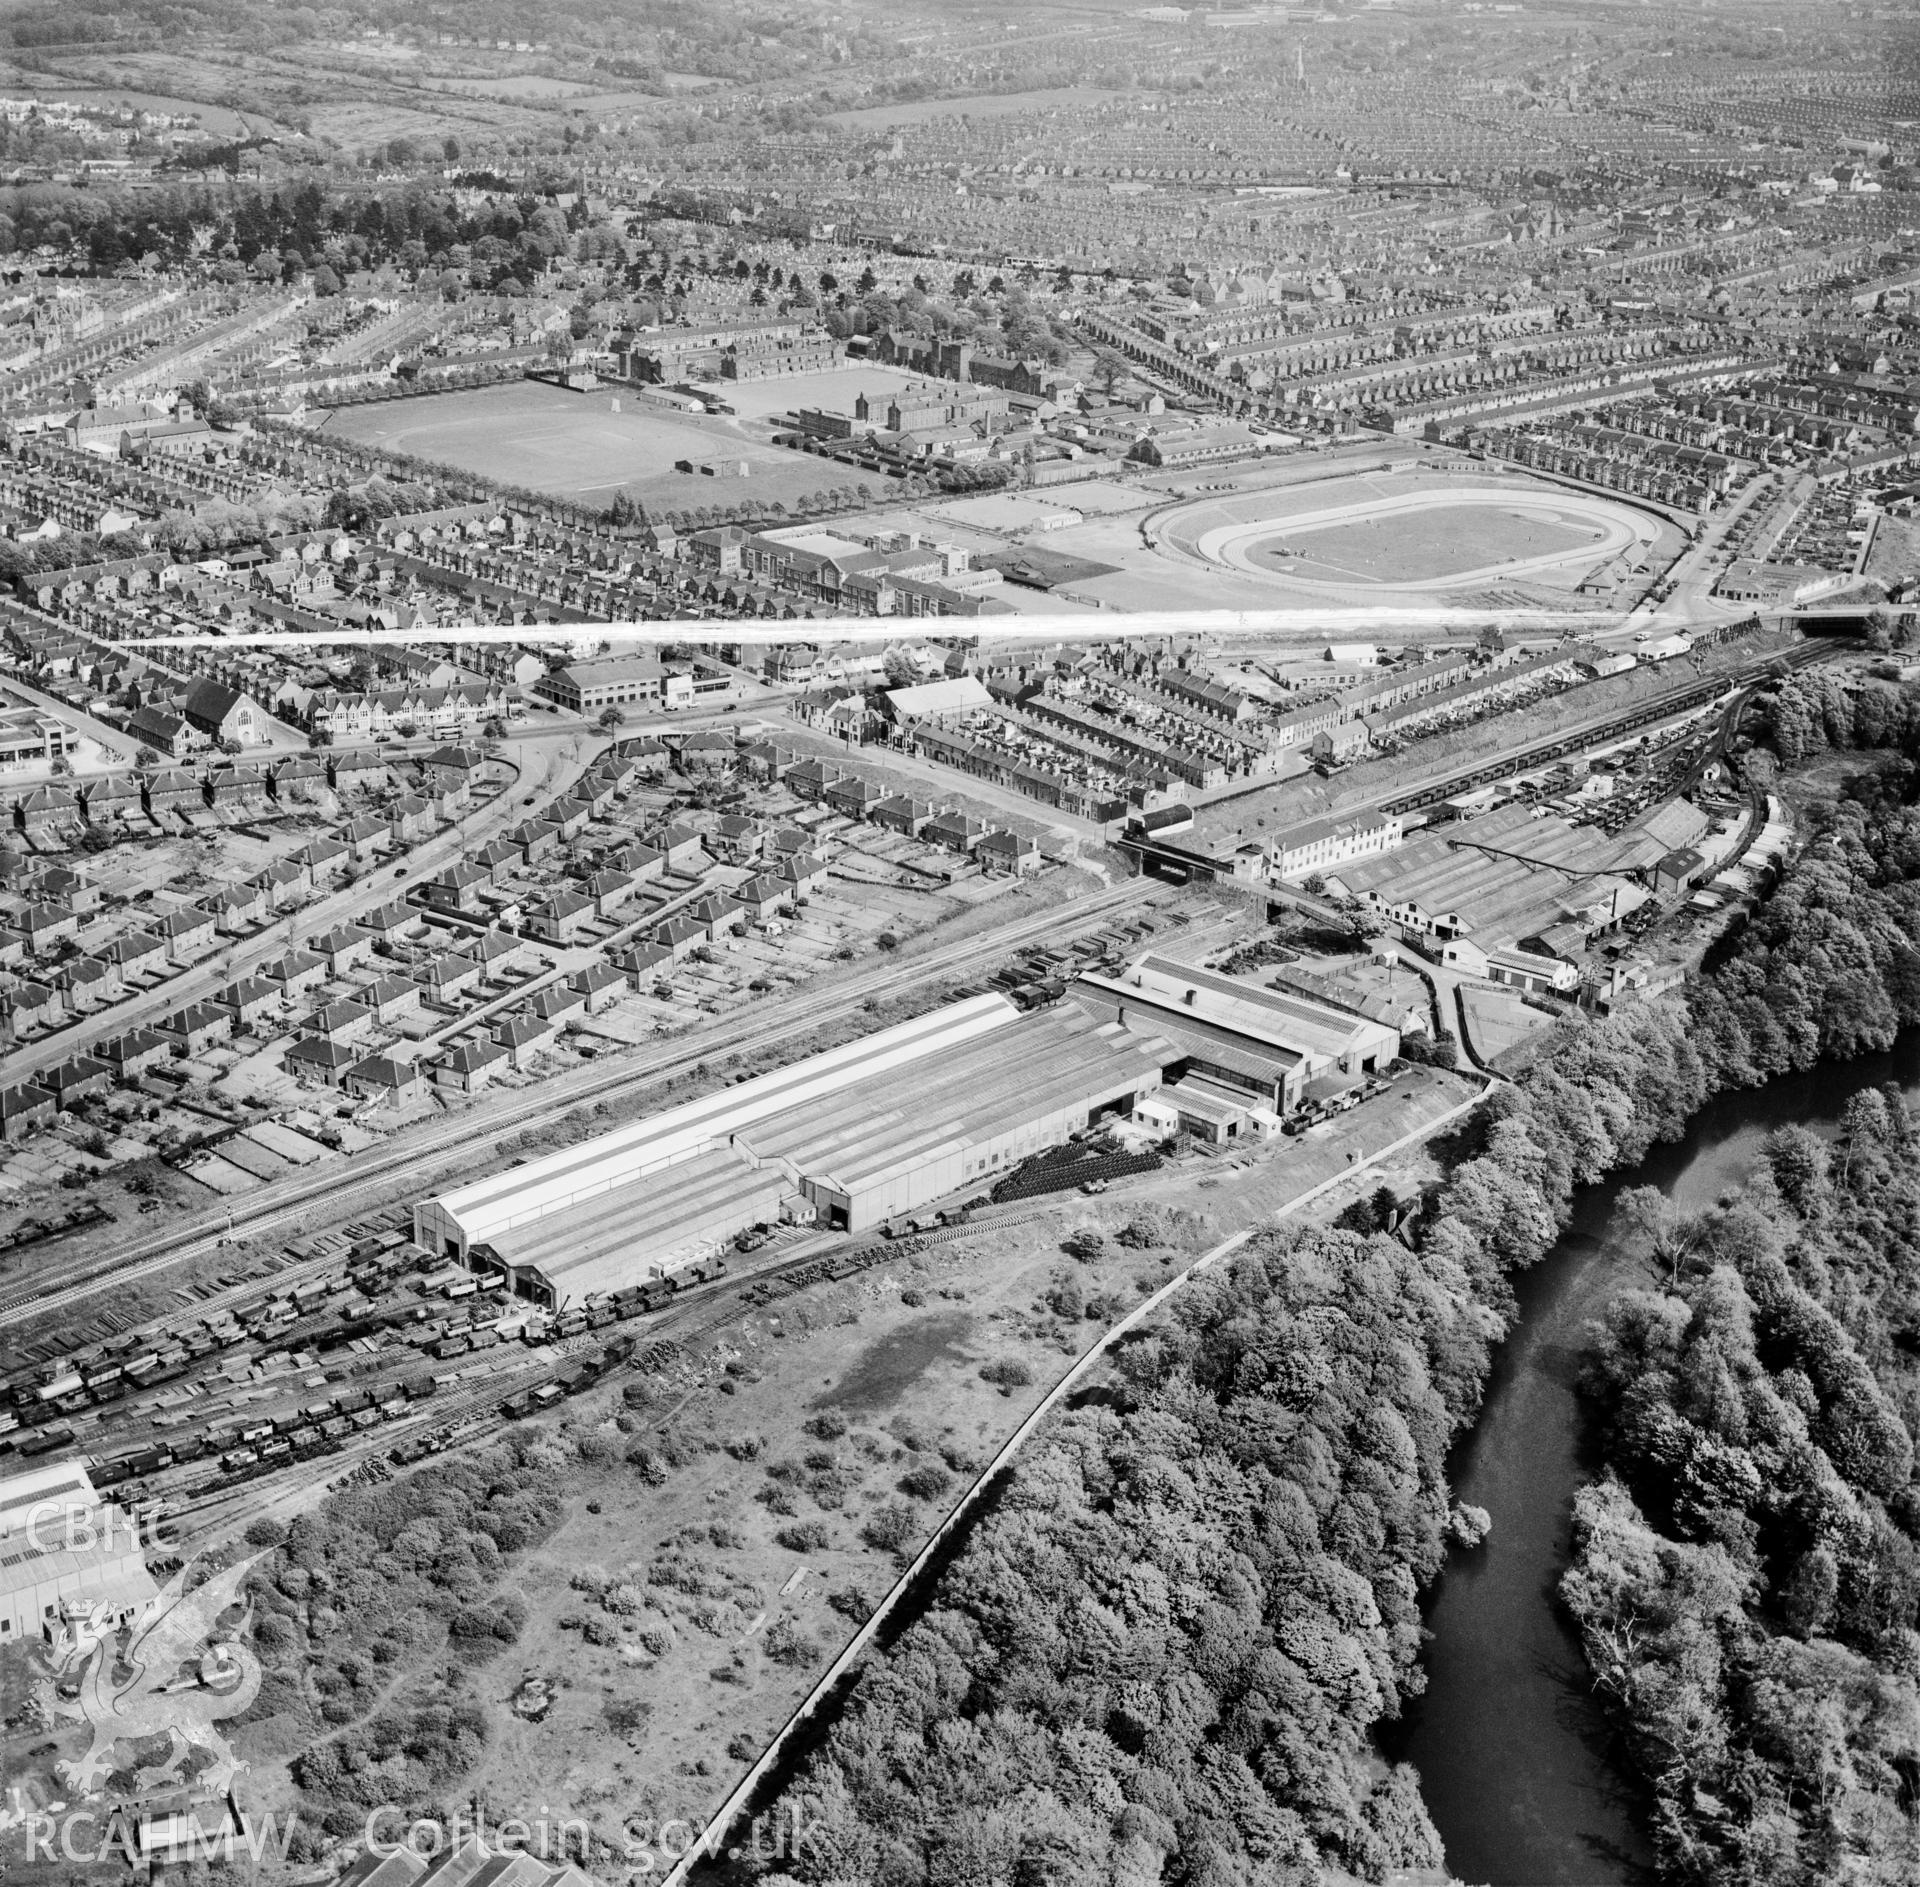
(1104,734)
(69,954)
(468,978)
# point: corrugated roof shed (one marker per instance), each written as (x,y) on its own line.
(1045,1064)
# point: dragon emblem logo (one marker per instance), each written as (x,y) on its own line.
(176,1677)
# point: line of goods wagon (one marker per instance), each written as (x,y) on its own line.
(140,1360)
(582,1373)
(312,1316)
(256,1448)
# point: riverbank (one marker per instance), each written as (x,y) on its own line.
(1521,1765)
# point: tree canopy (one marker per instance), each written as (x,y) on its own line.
(1747,1572)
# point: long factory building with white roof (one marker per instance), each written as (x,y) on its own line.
(857,1134)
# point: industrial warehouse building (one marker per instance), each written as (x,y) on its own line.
(919,1133)
(70,1563)
(860,1133)
(619,1238)
(629,1233)
(1516,896)
(1267,1047)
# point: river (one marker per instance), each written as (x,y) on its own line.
(1517,1759)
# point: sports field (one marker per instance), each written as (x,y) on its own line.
(577,445)
(1386,525)
(1430,543)
(1407,534)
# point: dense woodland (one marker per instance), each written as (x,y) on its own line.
(1162,1656)
(1164,1653)
(1747,1574)
(237,230)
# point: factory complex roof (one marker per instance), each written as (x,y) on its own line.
(1046,1064)
(610,1241)
(1275,1018)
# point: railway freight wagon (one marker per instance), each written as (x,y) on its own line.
(571,1380)
(130,1467)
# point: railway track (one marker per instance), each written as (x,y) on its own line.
(214,1510)
(191,1489)
(374,1170)
(1670,707)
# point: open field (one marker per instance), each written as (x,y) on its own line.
(678,84)
(1895,555)
(354,122)
(575,444)
(1012,514)
(1099,497)
(515,85)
